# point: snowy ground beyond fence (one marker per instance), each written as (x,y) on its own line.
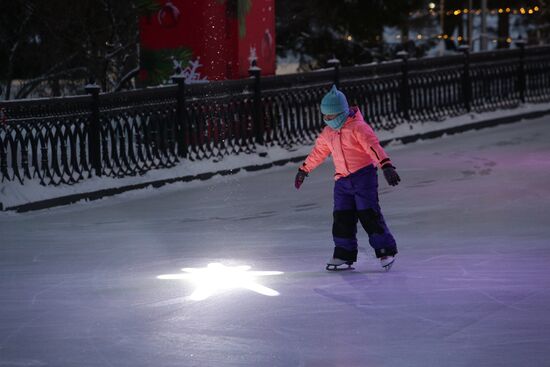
(13,194)
(101,283)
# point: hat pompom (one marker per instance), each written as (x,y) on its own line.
(334,102)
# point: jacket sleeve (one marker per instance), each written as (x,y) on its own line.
(369,142)
(318,154)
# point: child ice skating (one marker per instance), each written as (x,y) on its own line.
(356,153)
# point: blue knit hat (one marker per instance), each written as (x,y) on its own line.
(334,102)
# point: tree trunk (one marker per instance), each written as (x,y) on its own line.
(405,34)
(8,90)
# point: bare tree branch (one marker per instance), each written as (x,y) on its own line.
(50,74)
(131,74)
(32,84)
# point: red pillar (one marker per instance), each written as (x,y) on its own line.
(211,31)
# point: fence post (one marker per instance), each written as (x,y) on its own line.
(522,83)
(180,116)
(255,72)
(466,79)
(3,158)
(405,88)
(335,63)
(94,127)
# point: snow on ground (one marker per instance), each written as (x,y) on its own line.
(12,193)
(79,284)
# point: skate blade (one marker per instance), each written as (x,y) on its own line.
(388,267)
(339,267)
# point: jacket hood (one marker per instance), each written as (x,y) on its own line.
(354,114)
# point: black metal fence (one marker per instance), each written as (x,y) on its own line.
(66,140)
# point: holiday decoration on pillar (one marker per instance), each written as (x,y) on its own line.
(169,15)
(252,56)
(238,9)
(157,65)
(219,33)
(243,8)
(260,34)
(268,47)
(190,73)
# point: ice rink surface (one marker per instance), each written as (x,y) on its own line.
(80,285)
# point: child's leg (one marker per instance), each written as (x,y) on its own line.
(370,214)
(344,228)
(380,237)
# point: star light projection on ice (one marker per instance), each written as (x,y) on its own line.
(217,277)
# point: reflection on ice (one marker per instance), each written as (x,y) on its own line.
(217,277)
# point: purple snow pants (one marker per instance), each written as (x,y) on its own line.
(356,199)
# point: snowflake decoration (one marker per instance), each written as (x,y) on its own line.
(252,55)
(190,73)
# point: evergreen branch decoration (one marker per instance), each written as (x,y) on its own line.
(147,7)
(159,65)
(243,7)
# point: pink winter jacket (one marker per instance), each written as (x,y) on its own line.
(353,147)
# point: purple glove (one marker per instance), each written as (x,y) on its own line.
(300,177)
(391,176)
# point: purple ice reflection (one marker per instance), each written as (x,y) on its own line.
(79,285)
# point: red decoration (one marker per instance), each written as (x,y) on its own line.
(207,28)
(169,15)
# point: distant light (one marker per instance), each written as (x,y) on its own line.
(509,40)
(508,10)
(349,38)
(465,11)
(536,8)
(500,11)
(217,277)
(457,12)
(431,5)
(419,36)
(522,10)
(459,38)
(530,11)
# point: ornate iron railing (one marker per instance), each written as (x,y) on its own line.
(66,140)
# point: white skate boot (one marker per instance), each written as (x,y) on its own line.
(339,264)
(387,262)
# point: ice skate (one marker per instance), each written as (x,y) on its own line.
(387,262)
(336,264)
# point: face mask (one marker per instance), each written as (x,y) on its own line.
(337,122)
